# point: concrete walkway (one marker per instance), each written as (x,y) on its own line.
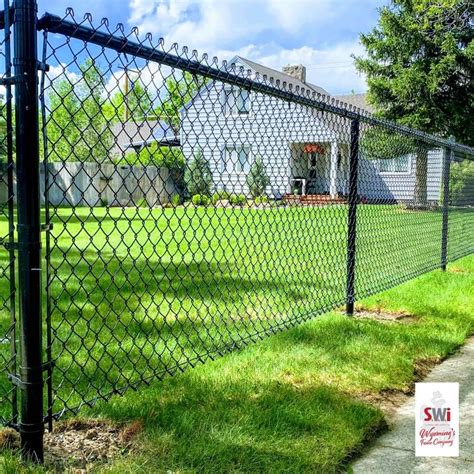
(394,452)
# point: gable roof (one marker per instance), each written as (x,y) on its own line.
(273,74)
(140,133)
(357,100)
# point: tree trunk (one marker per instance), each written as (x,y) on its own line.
(421,175)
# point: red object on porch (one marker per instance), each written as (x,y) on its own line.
(313,148)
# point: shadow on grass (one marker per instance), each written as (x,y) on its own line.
(193,423)
(270,407)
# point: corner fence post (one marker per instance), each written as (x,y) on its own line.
(30,378)
(352,216)
(447,158)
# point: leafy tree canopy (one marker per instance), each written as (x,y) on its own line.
(137,104)
(180,89)
(3,134)
(78,127)
(419,66)
(198,175)
(257,179)
(155,155)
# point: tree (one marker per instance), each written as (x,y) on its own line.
(136,105)
(63,132)
(156,155)
(419,67)
(78,126)
(198,176)
(180,90)
(257,179)
(461,183)
(4,134)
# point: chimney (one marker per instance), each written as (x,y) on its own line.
(298,72)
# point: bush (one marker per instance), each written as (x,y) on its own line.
(261,200)
(215,197)
(175,200)
(220,196)
(198,176)
(237,199)
(461,183)
(196,199)
(200,200)
(257,179)
(159,156)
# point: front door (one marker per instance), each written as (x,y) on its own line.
(316,169)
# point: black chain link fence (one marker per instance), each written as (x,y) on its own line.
(8,330)
(192,206)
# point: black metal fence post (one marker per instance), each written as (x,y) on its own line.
(29,228)
(447,158)
(352,216)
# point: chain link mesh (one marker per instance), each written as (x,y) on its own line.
(193,206)
(8,343)
(460,215)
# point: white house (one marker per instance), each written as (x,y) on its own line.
(304,150)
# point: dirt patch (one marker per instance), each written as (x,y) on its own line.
(77,444)
(391,399)
(385,316)
(82,443)
(9,439)
(454,269)
(423,367)
(388,401)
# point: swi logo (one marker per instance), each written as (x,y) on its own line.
(437,420)
(437,414)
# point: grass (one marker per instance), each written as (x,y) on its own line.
(289,403)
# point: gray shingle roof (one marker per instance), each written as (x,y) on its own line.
(357,100)
(273,74)
(140,133)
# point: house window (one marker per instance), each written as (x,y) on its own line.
(400,164)
(237,101)
(236,159)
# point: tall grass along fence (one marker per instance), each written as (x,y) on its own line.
(159,209)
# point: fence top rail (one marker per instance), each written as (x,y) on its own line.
(131,44)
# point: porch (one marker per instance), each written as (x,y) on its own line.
(319,173)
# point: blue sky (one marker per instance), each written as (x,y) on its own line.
(321,34)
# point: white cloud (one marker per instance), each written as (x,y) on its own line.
(206,23)
(330,68)
(271,32)
(61,71)
(202,25)
(298,14)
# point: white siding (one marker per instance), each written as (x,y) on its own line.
(400,186)
(269,130)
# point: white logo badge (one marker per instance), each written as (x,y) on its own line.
(437,419)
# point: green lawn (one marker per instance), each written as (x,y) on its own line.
(142,292)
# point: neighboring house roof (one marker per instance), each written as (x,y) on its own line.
(357,100)
(140,133)
(274,75)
